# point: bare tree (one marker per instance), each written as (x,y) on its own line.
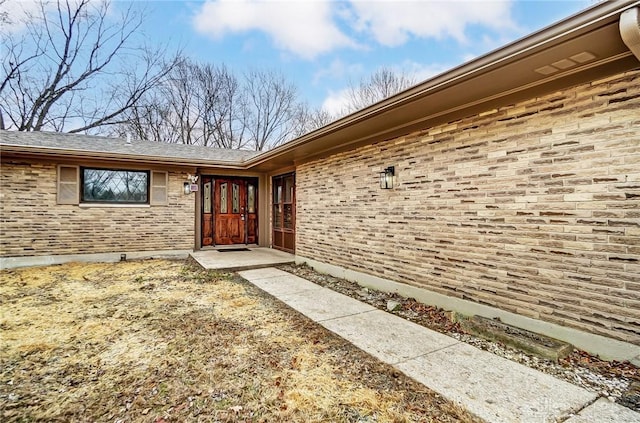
(380,85)
(273,110)
(208,105)
(185,102)
(230,128)
(310,119)
(196,104)
(150,120)
(75,69)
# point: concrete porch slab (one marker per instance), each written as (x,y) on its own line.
(496,389)
(389,338)
(230,260)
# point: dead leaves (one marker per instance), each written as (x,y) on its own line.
(611,368)
(157,341)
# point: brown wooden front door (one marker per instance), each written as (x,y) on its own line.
(229,211)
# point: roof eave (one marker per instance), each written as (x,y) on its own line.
(62,153)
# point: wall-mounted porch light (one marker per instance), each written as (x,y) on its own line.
(386,177)
(191,185)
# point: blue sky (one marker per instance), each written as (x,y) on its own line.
(322,46)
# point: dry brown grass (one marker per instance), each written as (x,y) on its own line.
(156,341)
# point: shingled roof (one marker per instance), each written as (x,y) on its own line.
(63,144)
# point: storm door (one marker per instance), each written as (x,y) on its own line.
(284,212)
(229,211)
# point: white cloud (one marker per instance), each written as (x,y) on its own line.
(420,71)
(304,28)
(21,13)
(17,13)
(337,70)
(467,57)
(313,27)
(394,23)
(336,102)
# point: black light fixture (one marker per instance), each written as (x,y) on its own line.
(386,177)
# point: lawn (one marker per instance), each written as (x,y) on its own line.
(160,341)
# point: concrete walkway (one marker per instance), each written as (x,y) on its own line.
(491,387)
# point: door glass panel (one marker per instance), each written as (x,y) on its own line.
(235,195)
(288,189)
(251,198)
(288,216)
(277,194)
(223,198)
(207,197)
(277,216)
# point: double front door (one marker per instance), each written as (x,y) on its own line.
(229,211)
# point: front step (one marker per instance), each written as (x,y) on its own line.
(234,260)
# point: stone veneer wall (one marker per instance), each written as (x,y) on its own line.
(32,224)
(532,208)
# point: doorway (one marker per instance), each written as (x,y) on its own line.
(284,212)
(229,210)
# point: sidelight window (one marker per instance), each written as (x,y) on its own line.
(251,198)
(207,197)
